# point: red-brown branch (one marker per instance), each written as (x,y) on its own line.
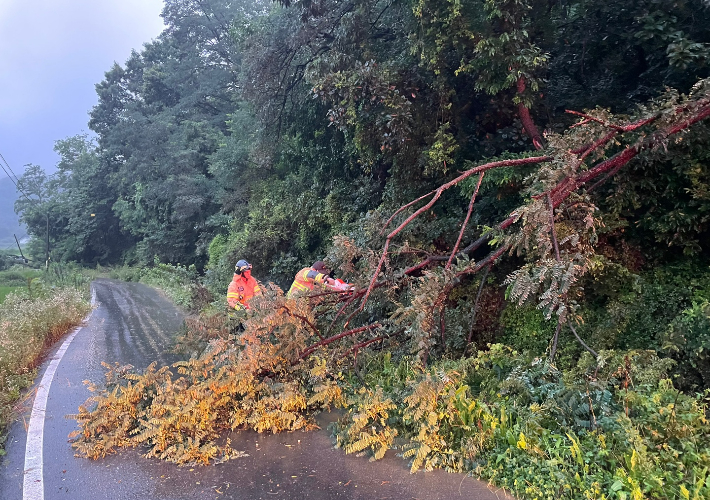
(625,156)
(404,207)
(359,346)
(304,319)
(580,124)
(350,300)
(612,165)
(308,351)
(624,128)
(589,118)
(619,128)
(555,196)
(527,120)
(437,194)
(489,260)
(465,222)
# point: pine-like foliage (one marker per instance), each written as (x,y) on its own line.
(557,230)
(251,380)
(367,424)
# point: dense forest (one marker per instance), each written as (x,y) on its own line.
(486,172)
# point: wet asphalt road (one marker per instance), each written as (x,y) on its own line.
(135,324)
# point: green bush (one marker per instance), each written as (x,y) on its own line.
(18,277)
(126,273)
(4,291)
(617,430)
(688,341)
(178,282)
(527,329)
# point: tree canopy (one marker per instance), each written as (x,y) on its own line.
(516,171)
(283,132)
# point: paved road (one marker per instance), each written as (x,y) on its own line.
(134,324)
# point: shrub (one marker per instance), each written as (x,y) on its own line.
(178,282)
(688,341)
(526,328)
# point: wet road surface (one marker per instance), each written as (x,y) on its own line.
(135,324)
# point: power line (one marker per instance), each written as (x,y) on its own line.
(8,166)
(13,180)
(28,199)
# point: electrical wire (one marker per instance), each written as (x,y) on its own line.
(8,166)
(11,179)
(15,181)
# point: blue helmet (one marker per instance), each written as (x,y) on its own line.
(242,265)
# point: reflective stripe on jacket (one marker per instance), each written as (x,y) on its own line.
(305,280)
(241,290)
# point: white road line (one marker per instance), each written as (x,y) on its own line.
(33,485)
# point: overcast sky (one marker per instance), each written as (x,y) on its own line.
(52,53)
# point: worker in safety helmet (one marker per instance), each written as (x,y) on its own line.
(243,286)
(308,277)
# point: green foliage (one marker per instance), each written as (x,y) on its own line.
(18,276)
(289,134)
(178,282)
(4,291)
(367,424)
(527,329)
(651,309)
(126,273)
(689,337)
(525,426)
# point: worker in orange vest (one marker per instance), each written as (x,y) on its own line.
(243,286)
(317,274)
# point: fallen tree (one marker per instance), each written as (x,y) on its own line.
(295,357)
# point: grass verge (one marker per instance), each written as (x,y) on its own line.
(4,291)
(28,325)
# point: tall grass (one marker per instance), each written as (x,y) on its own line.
(4,291)
(32,319)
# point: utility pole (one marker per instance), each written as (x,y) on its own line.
(20,249)
(46,266)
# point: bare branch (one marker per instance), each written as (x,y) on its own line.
(465,222)
(553,349)
(366,343)
(332,339)
(474,311)
(589,118)
(553,232)
(304,319)
(592,351)
(437,195)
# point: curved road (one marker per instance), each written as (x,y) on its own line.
(132,323)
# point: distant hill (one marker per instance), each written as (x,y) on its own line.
(8,219)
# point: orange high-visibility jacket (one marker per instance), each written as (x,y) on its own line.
(305,280)
(241,290)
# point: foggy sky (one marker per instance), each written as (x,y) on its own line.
(52,54)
